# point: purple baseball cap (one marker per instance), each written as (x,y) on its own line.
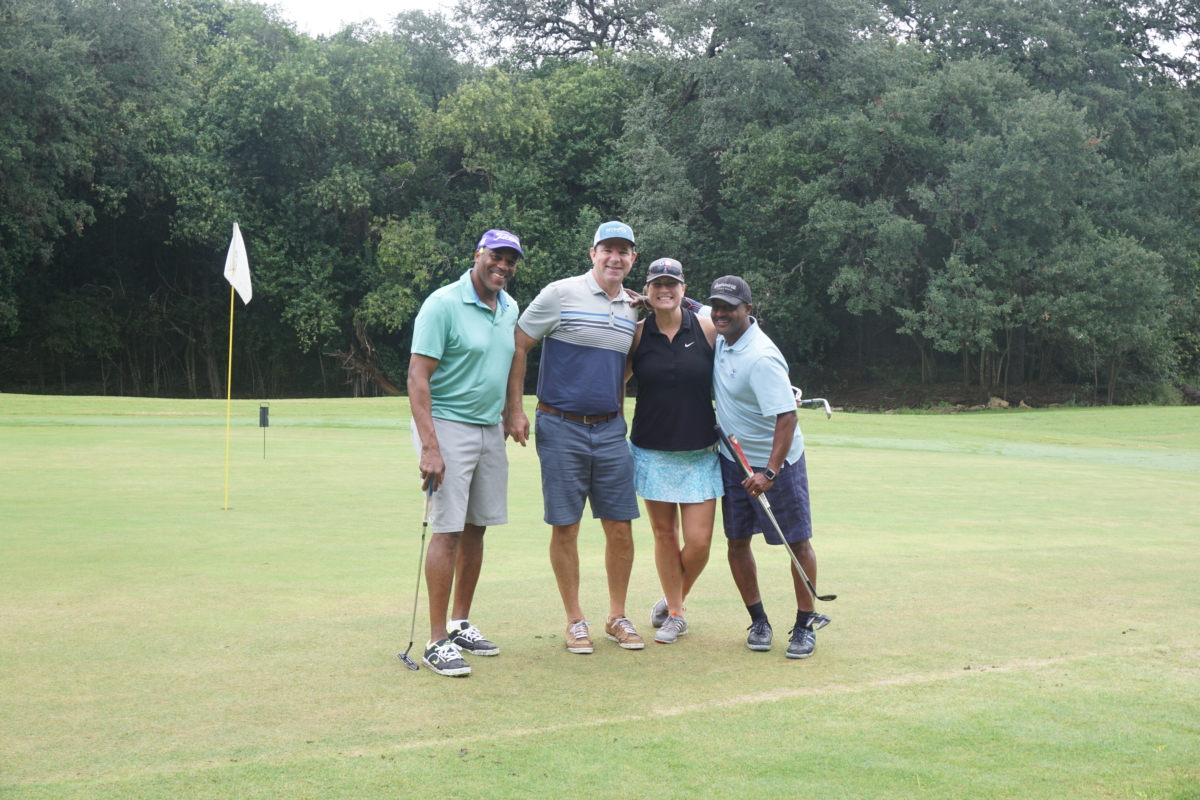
(495,239)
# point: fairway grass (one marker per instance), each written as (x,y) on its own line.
(1018,616)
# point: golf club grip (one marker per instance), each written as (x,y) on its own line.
(428,504)
(734,450)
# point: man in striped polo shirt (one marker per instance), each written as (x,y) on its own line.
(588,324)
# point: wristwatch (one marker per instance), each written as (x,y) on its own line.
(770,474)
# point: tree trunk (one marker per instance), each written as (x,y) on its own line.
(1047,360)
(925,368)
(1114,367)
(189,366)
(1016,359)
(215,384)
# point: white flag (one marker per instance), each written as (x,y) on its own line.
(237,266)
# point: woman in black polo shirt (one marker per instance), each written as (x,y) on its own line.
(676,471)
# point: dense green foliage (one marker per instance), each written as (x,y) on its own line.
(983,191)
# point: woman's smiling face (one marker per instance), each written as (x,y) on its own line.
(665,293)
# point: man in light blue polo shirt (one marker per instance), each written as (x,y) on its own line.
(755,404)
(587,323)
(461,352)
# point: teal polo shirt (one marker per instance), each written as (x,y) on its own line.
(752,388)
(474,349)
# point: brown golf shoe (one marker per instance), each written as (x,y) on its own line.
(578,637)
(621,631)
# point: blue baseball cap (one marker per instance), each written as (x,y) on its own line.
(613,230)
(495,239)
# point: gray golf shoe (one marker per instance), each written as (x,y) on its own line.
(803,642)
(443,658)
(674,627)
(467,638)
(659,614)
(760,635)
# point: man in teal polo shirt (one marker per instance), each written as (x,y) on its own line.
(756,405)
(461,353)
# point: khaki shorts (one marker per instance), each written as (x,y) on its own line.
(475,490)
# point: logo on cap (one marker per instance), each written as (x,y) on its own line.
(495,239)
(613,230)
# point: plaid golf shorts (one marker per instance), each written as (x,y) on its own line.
(743,515)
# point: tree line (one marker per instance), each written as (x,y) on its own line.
(982,191)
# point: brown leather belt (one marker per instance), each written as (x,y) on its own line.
(589,419)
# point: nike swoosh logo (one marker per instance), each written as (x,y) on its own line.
(689,344)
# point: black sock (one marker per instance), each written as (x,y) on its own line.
(756,612)
(802,618)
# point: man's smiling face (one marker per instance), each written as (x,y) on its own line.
(730,320)
(611,261)
(495,268)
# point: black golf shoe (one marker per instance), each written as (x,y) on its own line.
(803,642)
(760,635)
(443,658)
(467,638)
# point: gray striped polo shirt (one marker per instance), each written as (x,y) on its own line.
(587,336)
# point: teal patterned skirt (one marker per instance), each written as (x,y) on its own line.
(689,476)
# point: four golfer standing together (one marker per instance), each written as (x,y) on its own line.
(469,354)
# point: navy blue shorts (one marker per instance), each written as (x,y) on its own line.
(585,462)
(743,515)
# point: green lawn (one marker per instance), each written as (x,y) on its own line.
(1018,615)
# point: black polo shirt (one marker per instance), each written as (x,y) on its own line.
(674,409)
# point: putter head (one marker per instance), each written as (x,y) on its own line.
(408,662)
(817,621)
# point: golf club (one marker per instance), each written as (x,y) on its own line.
(733,447)
(813,401)
(408,662)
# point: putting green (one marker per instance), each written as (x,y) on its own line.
(1016,617)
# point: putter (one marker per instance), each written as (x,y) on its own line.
(817,621)
(408,662)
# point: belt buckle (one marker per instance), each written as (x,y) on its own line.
(586,418)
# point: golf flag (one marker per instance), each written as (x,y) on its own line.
(237,266)
(237,272)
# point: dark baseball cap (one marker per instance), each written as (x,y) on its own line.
(665,268)
(495,239)
(731,289)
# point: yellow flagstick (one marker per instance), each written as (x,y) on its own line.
(228,397)
(237,272)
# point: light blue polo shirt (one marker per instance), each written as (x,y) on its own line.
(474,348)
(751,386)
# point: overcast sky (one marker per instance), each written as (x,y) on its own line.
(317,17)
